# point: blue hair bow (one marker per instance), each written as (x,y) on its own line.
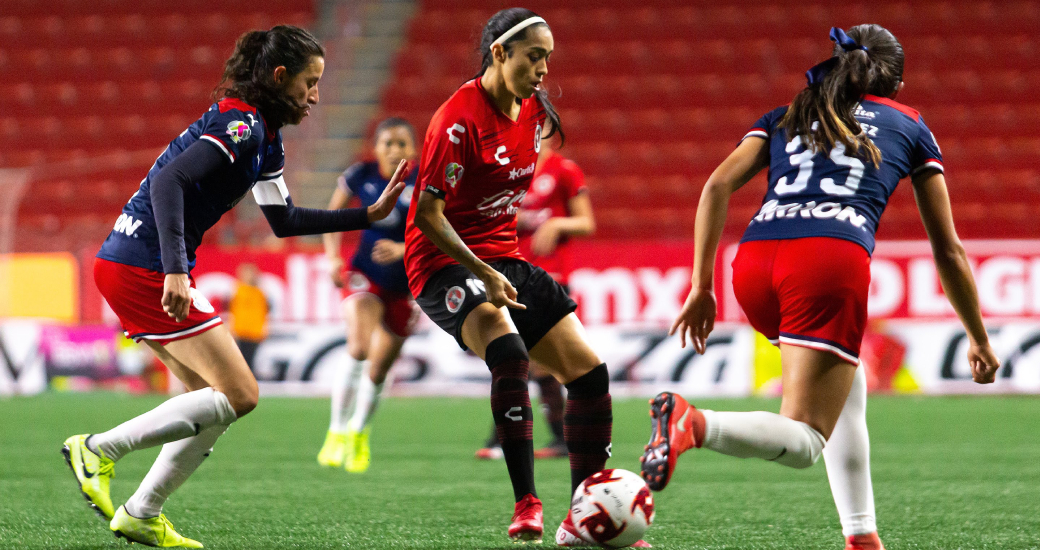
(816,74)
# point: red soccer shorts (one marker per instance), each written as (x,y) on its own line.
(135,295)
(399,310)
(809,292)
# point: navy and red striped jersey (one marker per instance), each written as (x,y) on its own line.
(364,181)
(254,154)
(831,194)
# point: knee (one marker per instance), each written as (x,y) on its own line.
(378,376)
(807,452)
(244,398)
(357,350)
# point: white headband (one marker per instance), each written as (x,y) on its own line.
(517,28)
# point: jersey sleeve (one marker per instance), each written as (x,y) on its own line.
(574,179)
(449,149)
(351,178)
(233,132)
(764,127)
(926,153)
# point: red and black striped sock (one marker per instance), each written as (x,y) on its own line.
(587,423)
(507,358)
(551,396)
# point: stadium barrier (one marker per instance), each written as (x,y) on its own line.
(628,294)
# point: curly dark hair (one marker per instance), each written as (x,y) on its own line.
(248,73)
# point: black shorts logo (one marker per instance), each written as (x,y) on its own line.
(454,298)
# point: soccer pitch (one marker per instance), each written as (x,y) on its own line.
(949,473)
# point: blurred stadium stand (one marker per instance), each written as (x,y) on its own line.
(654,95)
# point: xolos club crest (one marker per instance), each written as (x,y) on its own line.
(454,298)
(453,173)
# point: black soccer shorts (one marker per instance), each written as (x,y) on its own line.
(451,293)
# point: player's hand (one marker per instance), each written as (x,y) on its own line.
(387,251)
(984,363)
(545,239)
(176,296)
(500,292)
(388,199)
(336,271)
(697,317)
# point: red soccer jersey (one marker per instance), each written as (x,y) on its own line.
(481,163)
(555,184)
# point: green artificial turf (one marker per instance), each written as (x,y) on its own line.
(949,473)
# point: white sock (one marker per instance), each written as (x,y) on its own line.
(763,435)
(344,393)
(183,416)
(847,457)
(176,462)
(367,399)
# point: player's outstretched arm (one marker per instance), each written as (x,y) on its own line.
(429,218)
(933,202)
(697,317)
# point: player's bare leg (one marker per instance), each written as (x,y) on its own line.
(816,385)
(490,333)
(384,350)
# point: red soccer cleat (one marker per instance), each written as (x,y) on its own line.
(676,427)
(567,536)
(490,453)
(527,520)
(870,541)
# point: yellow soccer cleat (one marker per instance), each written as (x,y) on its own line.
(333,451)
(93,472)
(360,455)
(157,532)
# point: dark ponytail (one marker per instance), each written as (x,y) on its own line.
(248,73)
(832,96)
(497,26)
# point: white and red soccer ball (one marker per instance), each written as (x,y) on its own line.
(612,508)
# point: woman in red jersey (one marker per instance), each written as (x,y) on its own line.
(802,271)
(144,271)
(466,271)
(556,208)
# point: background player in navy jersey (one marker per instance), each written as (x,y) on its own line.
(466,271)
(555,208)
(377,306)
(143,271)
(802,271)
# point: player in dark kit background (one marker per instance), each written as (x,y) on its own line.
(377,307)
(143,271)
(466,270)
(802,271)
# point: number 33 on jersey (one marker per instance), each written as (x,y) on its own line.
(831,194)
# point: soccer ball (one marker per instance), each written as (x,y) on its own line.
(612,508)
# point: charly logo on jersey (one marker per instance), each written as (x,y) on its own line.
(454,298)
(520,172)
(822,211)
(453,173)
(238,130)
(506,201)
(126,224)
(538,138)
